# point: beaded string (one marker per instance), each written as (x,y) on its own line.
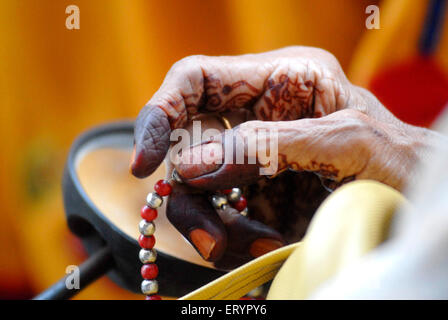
(233,197)
(147,254)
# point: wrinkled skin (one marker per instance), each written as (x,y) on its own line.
(330,132)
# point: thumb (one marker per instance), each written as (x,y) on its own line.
(335,147)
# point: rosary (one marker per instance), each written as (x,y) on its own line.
(154,200)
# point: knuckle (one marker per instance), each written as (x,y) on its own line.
(364,130)
(328,55)
(325,55)
(188,69)
(248,128)
(355,116)
(354,122)
(327,61)
(295,48)
(316,52)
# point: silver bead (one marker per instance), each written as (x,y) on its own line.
(147,256)
(219,201)
(149,287)
(234,195)
(146,228)
(245,212)
(175,176)
(154,200)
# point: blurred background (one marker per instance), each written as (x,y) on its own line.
(55,83)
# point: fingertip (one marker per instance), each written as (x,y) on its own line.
(199,160)
(258,238)
(204,243)
(262,246)
(135,165)
(143,165)
(194,217)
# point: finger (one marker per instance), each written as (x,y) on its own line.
(195,218)
(151,139)
(193,85)
(293,83)
(305,83)
(166,110)
(219,163)
(246,239)
(336,147)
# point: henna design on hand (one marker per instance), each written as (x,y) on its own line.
(284,99)
(327,172)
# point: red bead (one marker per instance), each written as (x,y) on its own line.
(163,188)
(153,297)
(241,204)
(149,271)
(146,242)
(148,213)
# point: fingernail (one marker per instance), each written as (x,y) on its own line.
(203,242)
(264,245)
(199,160)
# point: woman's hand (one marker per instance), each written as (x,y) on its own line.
(325,125)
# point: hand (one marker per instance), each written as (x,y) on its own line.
(325,124)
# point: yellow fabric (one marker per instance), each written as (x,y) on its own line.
(240,281)
(351,222)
